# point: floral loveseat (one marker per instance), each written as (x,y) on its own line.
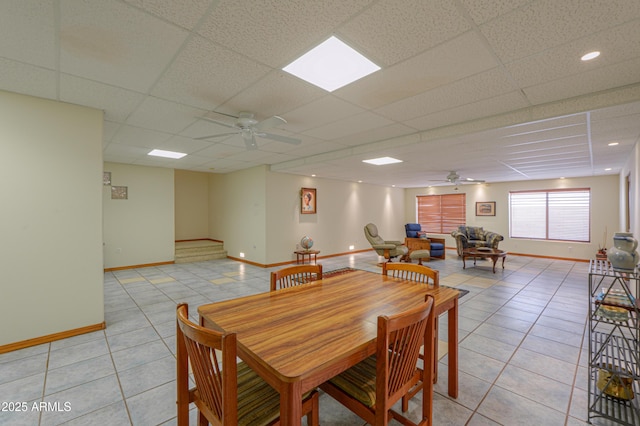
(475,236)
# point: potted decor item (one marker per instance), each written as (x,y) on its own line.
(623,255)
(601,254)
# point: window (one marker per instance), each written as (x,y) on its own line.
(441,214)
(562,214)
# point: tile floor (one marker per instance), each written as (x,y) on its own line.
(522,347)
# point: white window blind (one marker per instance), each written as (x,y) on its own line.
(441,214)
(562,214)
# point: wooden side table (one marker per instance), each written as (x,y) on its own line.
(300,255)
(423,244)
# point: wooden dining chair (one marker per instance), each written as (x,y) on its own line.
(373,386)
(295,275)
(423,275)
(227,392)
(412,272)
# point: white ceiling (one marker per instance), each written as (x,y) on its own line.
(492,89)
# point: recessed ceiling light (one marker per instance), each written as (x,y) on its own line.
(608,169)
(613,143)
(382,161)
(166,154)
(331,65)
(591,55)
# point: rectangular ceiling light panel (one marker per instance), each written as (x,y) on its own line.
(331,65)
(382,161)
(166,154)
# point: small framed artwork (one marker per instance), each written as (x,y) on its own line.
(308,201)
(119,193)
(486,208)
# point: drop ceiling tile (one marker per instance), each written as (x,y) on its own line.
(311,146)
(150,161)
(115,152)
(552,23)
(623,110)
(322,111)
(444,64)
(484,85)
(18,41)
(482,11)
(95,43)
(186,145)
(223,165)
(276,33)
(162,115)
(195,77)
(117,103)
(274,94)
(218,150)
(249,155)
(185,13)
(391,131)
(483,108)
(349,126)
(27,79)
(389,32)
(617,75)
(109,129)
(137,136)
(564,60)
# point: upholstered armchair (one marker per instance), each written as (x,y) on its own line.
(386,248)
(475,236)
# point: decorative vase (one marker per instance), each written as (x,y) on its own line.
(623,255)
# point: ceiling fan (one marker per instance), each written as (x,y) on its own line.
(247,126)
(454,178)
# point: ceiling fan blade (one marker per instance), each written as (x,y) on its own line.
(215,136)
(249,139)
(279,138)
(220,123)
(270,122)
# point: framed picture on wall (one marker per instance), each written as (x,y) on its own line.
(486,208)
(308,201)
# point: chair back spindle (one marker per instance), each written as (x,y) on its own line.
(409,271)
(295,276)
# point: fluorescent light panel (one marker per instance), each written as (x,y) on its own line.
(331,65)
(382,161)
(166,154)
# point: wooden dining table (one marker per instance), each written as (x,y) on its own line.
(299,337)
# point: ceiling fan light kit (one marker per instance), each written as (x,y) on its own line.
(454,178)
(248,127)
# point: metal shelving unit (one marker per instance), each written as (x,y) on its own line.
(614,349)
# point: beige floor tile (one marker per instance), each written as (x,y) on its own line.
(132,280)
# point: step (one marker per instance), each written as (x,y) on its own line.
(198,251)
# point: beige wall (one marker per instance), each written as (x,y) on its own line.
(191,205)
(343,208)
(237,212)
(139,230)
(51,217)
(631,170)
(605,208)
(257,212)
